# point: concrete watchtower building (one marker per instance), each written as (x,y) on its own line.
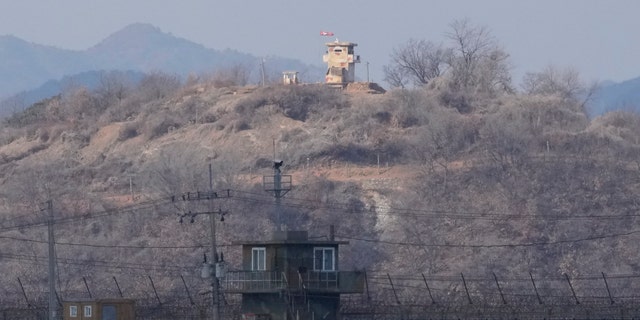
(341,62)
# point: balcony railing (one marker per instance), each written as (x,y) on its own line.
(312,281)
(315,280)
(253,281)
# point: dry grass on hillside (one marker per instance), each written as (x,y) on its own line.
(430,189)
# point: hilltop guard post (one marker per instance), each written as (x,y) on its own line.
(341,63)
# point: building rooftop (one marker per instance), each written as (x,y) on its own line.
(291,237)
(341,44)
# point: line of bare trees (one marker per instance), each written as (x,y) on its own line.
(471,61)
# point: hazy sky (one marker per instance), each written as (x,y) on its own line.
(601,38)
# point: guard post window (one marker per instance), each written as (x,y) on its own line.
(324,259)
(73,311)
(87,311)
(258,259)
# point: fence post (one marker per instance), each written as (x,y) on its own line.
(607,286)
(535,288)
(466,289)
(571,286)
(366,282)
(187,289)
(118,286)
(393,288)
(87,286)
(428,289)
(154,290)
(24,293)
(499,289)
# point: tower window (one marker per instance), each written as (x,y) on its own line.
(258,259)
(87,311)
(324,259)
(73,311)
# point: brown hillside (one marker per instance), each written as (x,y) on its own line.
(515,183)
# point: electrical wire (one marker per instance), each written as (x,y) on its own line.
(441,214)
(500,245)
(89,215)
(100,263)
(106,246)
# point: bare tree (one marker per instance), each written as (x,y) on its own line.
(418,61)
(477,61)
(395,76)
(564,83)
(158,85)
(509,137)
(236,75)
(114,87)
(78,102)
(441,141)
(14,104)
(175,172)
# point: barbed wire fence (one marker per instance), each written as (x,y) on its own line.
(494,297)
(385,296)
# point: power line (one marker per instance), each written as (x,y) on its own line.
(502,245)
(197,246)
(297,203)
(101,263)
(255,199)
(89,215)
(428,213)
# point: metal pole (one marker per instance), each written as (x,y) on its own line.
(366,282)
(535,288)
(214,279)
(428,289)
(607,286)
(394,289)
(118,286)
(571,286)
(187,289)
(153,286)
(499,288)
(278,189)
(131,188)
(87,286)
(52,266)
(210,178)
(262,69)
(24,293)
(368,71)
(465,288)
(214,254)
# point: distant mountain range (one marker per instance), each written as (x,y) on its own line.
(617,96)
(136,48)
(30,72)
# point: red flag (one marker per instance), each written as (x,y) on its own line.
(326,33)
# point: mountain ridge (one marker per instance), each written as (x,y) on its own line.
(613,96)
(137,47)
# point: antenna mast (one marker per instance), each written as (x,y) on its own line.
(279,184)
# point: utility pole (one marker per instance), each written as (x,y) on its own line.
(131,188)
(262,69)
(209,269)
(367,71)
(214,254)
(52,266)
